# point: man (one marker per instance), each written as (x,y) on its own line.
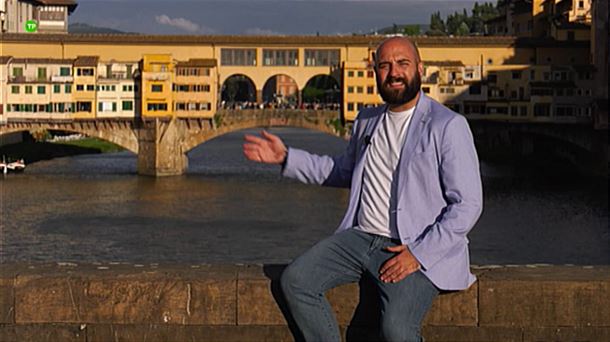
(415,193)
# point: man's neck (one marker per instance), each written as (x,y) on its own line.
(405,106)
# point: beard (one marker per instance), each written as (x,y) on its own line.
(397,96)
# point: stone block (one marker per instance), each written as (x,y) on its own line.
(48,299)
(162,296)
(545,296)
(7,299)
(455,308)
(471,334)
(567,334)
(187,333)
(256,303)
(42,333)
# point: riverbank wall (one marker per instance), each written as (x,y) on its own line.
(132,302)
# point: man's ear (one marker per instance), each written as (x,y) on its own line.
(420,68)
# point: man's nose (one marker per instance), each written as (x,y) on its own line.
(394,70)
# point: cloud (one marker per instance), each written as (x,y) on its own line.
(180,23)
(257,31)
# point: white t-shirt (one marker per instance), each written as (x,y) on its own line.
(376,214)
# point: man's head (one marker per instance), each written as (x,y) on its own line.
(398,67)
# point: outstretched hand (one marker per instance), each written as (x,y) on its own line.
(268,148)
(399,266)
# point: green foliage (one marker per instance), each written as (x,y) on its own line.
(93,143)
(311,94)
(411,30)
(460,24)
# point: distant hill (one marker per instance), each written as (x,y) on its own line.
(86,28)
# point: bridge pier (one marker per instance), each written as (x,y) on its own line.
(160,152)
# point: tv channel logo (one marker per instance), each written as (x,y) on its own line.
(31,26)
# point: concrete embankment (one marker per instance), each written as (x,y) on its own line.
(129,302)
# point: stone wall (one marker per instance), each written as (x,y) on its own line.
(130,302)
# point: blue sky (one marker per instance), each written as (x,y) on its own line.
(258,17)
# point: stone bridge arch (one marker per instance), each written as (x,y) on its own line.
(231,121)
(120,132)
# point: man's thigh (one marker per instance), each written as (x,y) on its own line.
(336,260)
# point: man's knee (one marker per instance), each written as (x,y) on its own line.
(291,279)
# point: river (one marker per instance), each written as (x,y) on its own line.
(95,208)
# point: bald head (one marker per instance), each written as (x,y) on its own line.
(400,41)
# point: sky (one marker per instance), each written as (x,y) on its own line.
(259,17)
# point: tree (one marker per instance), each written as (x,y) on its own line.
(411,30)
(437,25)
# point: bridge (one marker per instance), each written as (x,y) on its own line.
(162,143)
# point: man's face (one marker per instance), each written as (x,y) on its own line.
(398,74)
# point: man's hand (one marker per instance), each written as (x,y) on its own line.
(399,266)
(266,149)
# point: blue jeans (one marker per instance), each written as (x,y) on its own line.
(344,258)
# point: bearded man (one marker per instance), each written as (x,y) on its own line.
(415,192)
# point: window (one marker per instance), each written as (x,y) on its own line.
(157,107)
(360,73)
(28,89)
(359,90)
(238,57)
(370,90)
(516,75)
(80,87)
(350,74)
(350,89)
(68,88)
(42,73)
(17,71)
(84,72)
(325,57)
(370,74)
(56,88)
(542,109)
(127,105)
(64,71)
(474,89)
(350,106)
(14,89)
(127,88)
(84,106)
(426,90)
(281,57)
(492,78)
(90,87)
(157,88)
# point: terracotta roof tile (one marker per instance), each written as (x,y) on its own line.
(197,62)
(81,61)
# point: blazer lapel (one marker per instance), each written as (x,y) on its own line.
(415,129)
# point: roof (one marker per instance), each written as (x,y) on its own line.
(197,62)
(445,63)
(5,59)
(70,3)
(136,39)
(82,61)
(41,61)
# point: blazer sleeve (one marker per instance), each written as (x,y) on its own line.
(324,170)
(461,185)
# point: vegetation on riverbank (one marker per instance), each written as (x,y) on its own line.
(32,151)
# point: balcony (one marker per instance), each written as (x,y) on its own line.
(64,79)
(156,76)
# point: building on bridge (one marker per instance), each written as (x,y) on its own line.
(51,16)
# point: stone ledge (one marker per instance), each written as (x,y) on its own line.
(223,301)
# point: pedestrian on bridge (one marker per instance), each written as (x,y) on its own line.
(415,193)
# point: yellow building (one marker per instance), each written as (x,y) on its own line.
(84,93)
(157,72)
(4,61)
(194,88)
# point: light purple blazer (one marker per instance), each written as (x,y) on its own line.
(439,186)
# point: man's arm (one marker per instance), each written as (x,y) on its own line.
(461,183)
(302,165)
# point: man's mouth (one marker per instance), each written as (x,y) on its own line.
(395,84)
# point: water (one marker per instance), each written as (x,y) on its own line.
(94,208)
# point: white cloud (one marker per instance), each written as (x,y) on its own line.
(181,23)
(257,31)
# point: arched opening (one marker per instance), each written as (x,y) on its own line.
(321,92)
(281,91)
(238,92)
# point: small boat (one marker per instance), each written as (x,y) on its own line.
(16,166)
